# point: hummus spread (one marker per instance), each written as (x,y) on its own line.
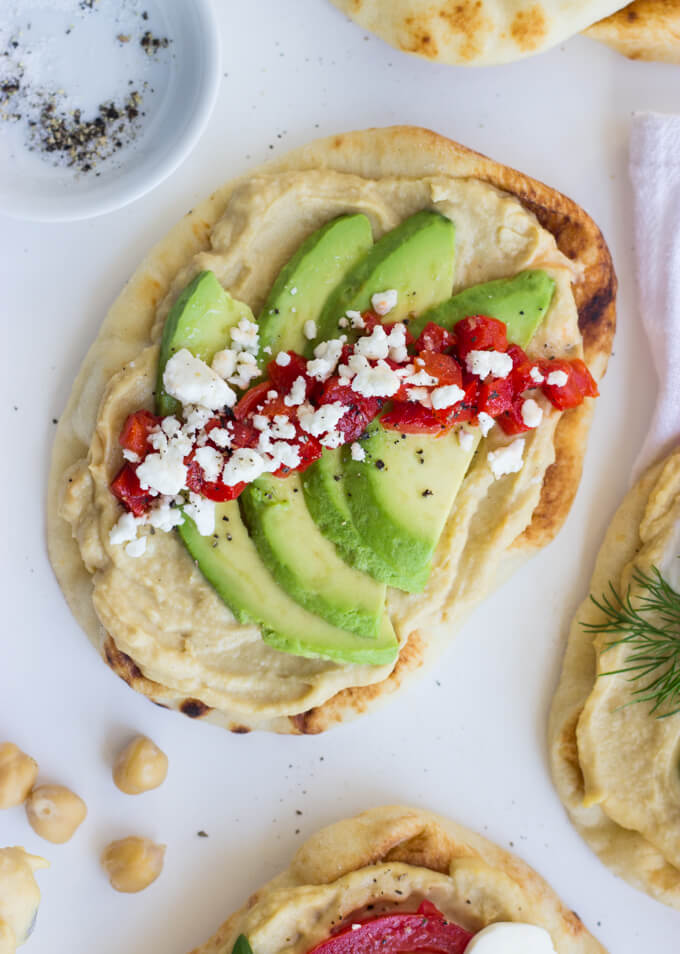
(158,608)
(626,801)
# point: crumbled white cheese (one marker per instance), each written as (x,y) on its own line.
(511,937)
(536,376)
(246,369)
(272,395)
(202,512)
(245,336)
(557,379)
(283,359)
(373,346)
(405,371)
(211,461)
(380,381)
(356,320)
(357,452)
(245,464)
(191,381)
(267,349)
(532,413)
(170,426)
(507,459)
(282,428)
(326,357)
(486,422)
(332,439)
(281,454)
(293,291)
(396,342)
(224,362)
(260,422)
(131,456)
(383,302)
(164,473)
(310,329)
(163,516)
(485,363)
(136,547)
(297,393)
(421,379)
(343,323)
(125,528)
(195,418)
(466,439)
(220,436)
(447,396)
(421,395)
(323,419)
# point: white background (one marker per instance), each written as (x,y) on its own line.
(470,739)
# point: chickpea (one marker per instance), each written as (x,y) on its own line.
(54,812)
(18,773)
(19,896)
(132,864)
(140,767)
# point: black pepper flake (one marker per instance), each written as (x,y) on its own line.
(202,834)
(152,44)
(380,464)
(427,493)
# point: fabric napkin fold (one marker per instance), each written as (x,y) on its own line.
(655,173)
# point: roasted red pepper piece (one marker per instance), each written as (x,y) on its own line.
(465,410)
(434,338)
(479,333)
(213,490)
(580,383)
(282,378)
(426,930)
(511,420)
(135,434)
(410,418)
(127,488)
(441,366)
(496,395)
(251,400)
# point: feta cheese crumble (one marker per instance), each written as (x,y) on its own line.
(486,422)
(202,512)
(507,459)
(380,381)
(447,396)
(164,473)
(310,329)
(357,451)
(224,362)
(297,393)
(191,381)
(466,439)
(485,363)
(373,346)
(211,461)
(532,413)
(382,303)
(323,419)
(536,376)
(356,320)
(557,379)
(283,359)
(245,336)
(244,465)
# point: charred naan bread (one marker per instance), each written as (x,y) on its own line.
(644,30)
(615,765)
(156,620)
(391,858)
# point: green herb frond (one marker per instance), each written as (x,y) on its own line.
(652,631)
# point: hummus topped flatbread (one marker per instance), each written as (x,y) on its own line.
(615,734)
(154,617)
(390,860)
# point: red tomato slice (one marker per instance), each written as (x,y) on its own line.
(434,338)
(425,930)
(479,333)
(127,488)
(410,418)
(580,383)
(136,430)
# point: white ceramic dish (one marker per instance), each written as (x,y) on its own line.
(185,85)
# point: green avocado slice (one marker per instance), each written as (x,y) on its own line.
(305,282)
(304,563)
(400,496)
(231,563)
(416,259)
(199,321)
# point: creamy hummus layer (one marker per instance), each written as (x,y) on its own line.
(158,608)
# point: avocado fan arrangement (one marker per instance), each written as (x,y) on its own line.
(307,552)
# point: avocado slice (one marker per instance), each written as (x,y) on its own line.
(400,496)
(305,282)
(231,563)
(199,321)
(416,258)
(304,563)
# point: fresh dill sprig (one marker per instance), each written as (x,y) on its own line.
(652,631)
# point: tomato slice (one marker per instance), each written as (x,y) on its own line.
(441,366)
(496,395)
(479,333)
(425,930)
(135,434)
(580,383)
(434,338)
(410,418)
(127,488)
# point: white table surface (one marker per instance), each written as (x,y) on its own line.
(470,739)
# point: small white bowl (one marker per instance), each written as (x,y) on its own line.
(34,188)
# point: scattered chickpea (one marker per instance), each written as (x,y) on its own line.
(140,767)
(54,812)
(132,864)
(18,773)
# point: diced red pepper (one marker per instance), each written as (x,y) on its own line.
(213,490)
(465,410)
(251,400)
(135,434)
(310,450)
(441,366)
(243,435)
(127,488)
(496,395)
(434,338)
(370,321)
(521,369)
(410,418)
(282,378)
(580,383)
(479,333)
(511,420)
(425,930)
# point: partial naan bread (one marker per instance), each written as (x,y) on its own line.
(644,30)
(391,856)
(476,32)
(616,767)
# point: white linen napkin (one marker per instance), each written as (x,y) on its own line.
(655,172)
